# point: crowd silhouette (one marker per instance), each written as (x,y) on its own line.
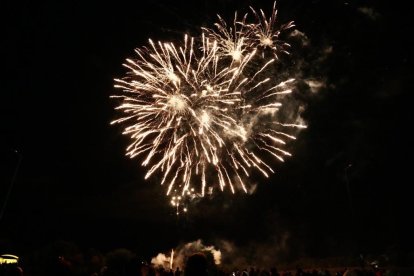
(65,259)
(195,265)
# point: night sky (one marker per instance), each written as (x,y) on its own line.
(344,191)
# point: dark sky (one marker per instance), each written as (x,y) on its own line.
(59,59)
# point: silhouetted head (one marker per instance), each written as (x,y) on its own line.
(196,265)
(14,271)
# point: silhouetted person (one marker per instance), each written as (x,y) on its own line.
(12,270)
(177,272)
(299,272)
(196,265)
(151,271)
(62,267)
(274,272)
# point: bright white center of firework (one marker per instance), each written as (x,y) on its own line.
(177,103)
(266,41)
(173,77)
(242,133)
(236,54)
(205,119)
(204,122)
(206,91)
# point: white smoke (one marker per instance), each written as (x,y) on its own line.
(301,36)
(315,85)
(265,254)
(161,260)
(182,252)
(275,250)
(369,12)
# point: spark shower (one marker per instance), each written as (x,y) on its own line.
(204,112)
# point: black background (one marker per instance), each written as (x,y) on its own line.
(59,59)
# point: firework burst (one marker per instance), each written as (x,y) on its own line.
(202,113)
(265,34)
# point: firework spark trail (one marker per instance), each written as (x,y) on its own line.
(189,109)
(265,35)
(233,41)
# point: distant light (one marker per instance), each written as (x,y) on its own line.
(8,259)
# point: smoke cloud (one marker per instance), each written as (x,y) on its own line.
(226,254)
(183,251)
